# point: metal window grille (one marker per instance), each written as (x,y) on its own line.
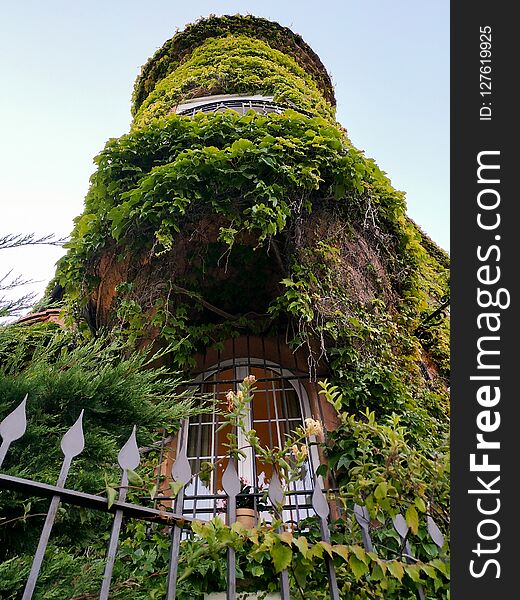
(279,406)
(241,106)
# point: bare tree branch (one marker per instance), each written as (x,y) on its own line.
(10,307)
(17,281)
(29,239)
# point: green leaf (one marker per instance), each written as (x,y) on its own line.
(341,550)
(288,282)
(421,506)
(240,145)
(430,571)
(358,567)
(111,495)
(396,569)
(431,549)
(257,570)
(134,478)
(412,519)
(381,490)
(206,469)
(441,566)
(286,537)
(84,223)
(227,536)
(281,556)
(414,572)
(327,547)
(316,550)
(344,461)
(176,487)
(322,470)
(360,553)
(153,492)
(198,527)
(302,544)
(377,572)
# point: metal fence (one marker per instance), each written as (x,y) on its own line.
(13,428)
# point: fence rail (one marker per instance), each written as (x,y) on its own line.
(13,428)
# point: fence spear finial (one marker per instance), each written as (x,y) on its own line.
(12,428)
(276,492)
(435,532)
(73,442)
(181,470)
(128,457)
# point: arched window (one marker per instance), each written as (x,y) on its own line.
(279,405)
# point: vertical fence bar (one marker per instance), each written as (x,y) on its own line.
(320,505)
(231,485)
(181,473)
(277,496)
(128,458)
(72,444)
(309,463)
(403,530)
(159,464)
(197,461)
(363,520)
(250,450)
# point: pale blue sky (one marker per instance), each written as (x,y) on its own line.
(68,68)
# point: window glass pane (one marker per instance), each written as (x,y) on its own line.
(199,440)
(287,401)
(263,405)
(267,433)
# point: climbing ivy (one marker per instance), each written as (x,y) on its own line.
(182,44)
(234,65)
(260,172)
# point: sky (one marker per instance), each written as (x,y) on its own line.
(67,71)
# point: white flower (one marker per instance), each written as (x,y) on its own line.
(313,427)
(301,453)
(230,397)
(249,380)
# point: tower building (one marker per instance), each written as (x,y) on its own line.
(237,225)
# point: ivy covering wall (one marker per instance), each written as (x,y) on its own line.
(182,44)
(185,216)
(235,64)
